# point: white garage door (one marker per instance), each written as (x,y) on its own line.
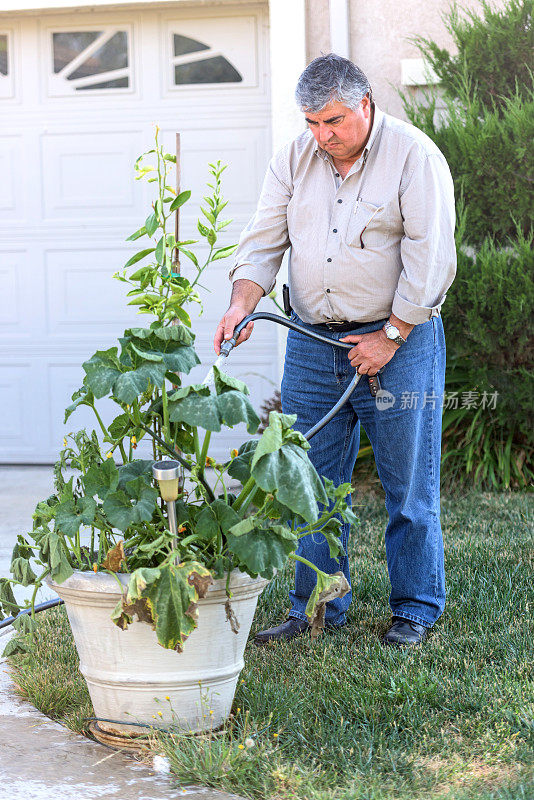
(79,97)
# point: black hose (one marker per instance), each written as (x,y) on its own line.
(228,345)
(41,607)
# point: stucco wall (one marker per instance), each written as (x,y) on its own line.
(380,33)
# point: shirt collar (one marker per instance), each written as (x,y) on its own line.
(377,124)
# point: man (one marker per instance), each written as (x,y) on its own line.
(366,203)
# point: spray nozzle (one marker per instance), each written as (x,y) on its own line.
(227,346)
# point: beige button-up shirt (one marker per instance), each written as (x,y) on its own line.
(379,241)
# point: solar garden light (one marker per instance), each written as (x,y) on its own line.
(167,473)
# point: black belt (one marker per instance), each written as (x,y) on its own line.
(341,327)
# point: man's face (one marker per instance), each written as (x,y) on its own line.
(340,131)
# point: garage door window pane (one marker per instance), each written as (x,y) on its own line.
(67,46)
(184,45)
(209,70)
(3,54)
(120,83)
(113,55)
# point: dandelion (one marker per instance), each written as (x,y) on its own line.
(249,743)
(211,711)
(167,697)
(160,713)
(275,735)
(153,716)
(95,567)
(242,680)
(241,746)
(238,710)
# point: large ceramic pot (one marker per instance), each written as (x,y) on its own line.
(129,675)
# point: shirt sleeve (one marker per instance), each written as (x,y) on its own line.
(428,251)
(264,241)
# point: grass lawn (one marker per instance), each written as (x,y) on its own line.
(342,718)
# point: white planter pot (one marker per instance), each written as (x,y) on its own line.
(129,674)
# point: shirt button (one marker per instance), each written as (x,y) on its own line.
(329,260)
(340,201)
(337,175)
(328,291)
(335,230)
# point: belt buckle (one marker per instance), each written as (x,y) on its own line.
(334,326)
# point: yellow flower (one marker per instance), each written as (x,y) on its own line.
(95,567)
(241,746)
(233,453)
(275,735)
(160,714)
(211,711)
(238,710)
(64,441)
(242,680)
(167,697)
(108,455)
(133,440)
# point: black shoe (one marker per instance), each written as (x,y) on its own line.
(289,629)
(404,632)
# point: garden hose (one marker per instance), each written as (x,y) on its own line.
(228,345)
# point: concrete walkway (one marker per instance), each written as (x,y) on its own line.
(40,759)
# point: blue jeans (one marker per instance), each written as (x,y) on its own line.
(406,440)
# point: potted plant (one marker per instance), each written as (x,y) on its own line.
(102,540)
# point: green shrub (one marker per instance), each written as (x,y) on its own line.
(486,132)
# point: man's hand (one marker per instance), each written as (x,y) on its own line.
(227,325)
(372,351)
(245,297)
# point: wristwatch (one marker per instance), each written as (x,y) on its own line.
(393,333)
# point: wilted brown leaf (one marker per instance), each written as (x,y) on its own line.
(114,558)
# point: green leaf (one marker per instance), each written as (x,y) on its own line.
(138,256)
(289,474)
(136,235)
(175,333)
(211,237)
(81,397)
(224,382)
(160,249)
(214,517)
(14,646)
(53,553)
(327,588)
(234,407)
(101,479)
(178,201)
(151,225)
(7,598)
(202,229)
(223,252)
(135,469)
(240,465)
(71,514)
(260,550)
(195,408)
(22,571)
(172,597)
(122,512)
(190,255)
(131,384)
(102,370)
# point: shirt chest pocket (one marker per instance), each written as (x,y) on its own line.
(368,225)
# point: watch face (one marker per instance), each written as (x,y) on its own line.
(392,332)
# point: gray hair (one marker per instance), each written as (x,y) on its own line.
(329,79)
